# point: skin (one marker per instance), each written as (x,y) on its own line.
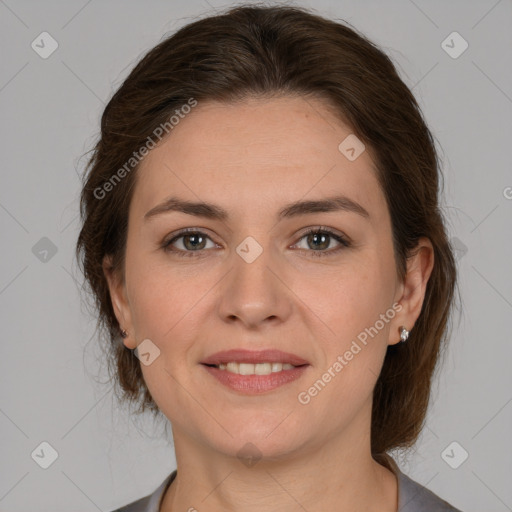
(252,158)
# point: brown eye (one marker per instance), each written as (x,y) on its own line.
(318,241)
(194,241)
(187,243)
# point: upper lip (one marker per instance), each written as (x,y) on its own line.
(251,356)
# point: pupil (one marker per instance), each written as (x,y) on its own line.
(323,237)
(195,243)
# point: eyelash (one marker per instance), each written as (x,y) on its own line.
(166,246)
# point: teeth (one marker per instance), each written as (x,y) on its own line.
(254,369)
(232,367)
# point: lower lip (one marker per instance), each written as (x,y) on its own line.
(255,384)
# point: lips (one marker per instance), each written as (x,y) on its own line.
(254,357)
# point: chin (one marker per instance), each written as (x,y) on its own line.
(257,439)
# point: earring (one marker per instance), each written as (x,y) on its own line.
(124,333)
(404,334)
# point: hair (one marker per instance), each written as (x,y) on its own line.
(263,52)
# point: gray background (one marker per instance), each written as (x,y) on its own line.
(50,117)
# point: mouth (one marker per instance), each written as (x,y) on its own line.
(253,372)
(254,369)
(236,359)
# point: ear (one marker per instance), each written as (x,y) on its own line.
(411,293)
(117,288)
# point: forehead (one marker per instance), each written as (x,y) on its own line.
(256,151)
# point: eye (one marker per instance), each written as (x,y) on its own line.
(320,239)
(193,241)
(190,240)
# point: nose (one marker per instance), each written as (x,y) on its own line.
(255,292)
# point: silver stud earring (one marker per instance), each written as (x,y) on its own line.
(404,334)
(124,333)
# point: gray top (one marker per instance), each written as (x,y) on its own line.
(412,497)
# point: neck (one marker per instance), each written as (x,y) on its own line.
(336,474)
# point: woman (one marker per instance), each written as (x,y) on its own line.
(262,235)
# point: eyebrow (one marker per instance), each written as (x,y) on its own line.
(215,212)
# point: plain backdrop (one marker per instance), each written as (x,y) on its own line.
(50,109)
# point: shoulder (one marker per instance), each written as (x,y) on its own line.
(141,505)
(151,502)
(413,497)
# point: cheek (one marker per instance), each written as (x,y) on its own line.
(348,298)
(350,302)
(352,349)
(162,295)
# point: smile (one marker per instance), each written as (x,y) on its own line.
(254,369)
(253,372)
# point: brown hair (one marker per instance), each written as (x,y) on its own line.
(265,51)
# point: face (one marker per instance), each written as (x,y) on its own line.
(256,280)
